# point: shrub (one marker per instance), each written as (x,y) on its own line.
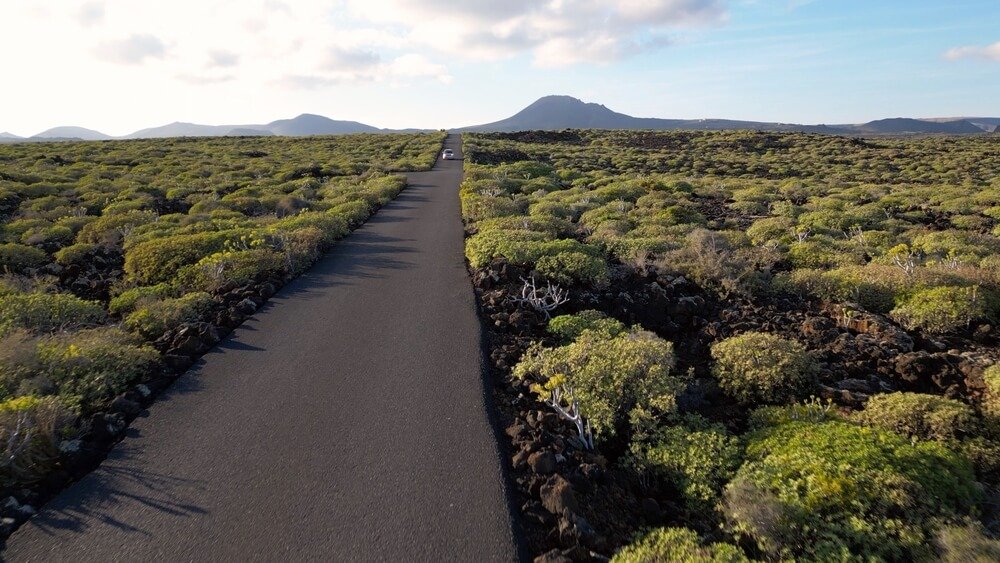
(29,435)
(241,268)
(570,267)
(113,229)
(90,367)
(18,258)
(677,544)
(487,245)
(128,300)
(354,212)
(47,311)
(619,381)
(825,491)
(761,367)
(696,457)
(158,260)
(941,309)
(332,226)
(918,415)
(478,207)
(155,318)
(77,254)
(966,544)
(570,327)
(991,398)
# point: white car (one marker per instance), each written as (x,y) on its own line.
(448,154)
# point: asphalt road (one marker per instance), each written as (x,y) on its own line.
(345,421)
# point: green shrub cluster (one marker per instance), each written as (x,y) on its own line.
(619,380)
(47,311)
(155,318)
(926,417)
(695,456)
(664,545)
(30,430)
(833,491)
(757,367)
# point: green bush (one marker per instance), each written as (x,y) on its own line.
(991,398)
(77,254)
(29,438)
(667,545)
(113,229)
(155,318)
(917,415)
(158,260)
(620,381)
(570,327)
(760,367)
(354,212)
(333,227)
(240,267)
(477,207)
(47,311)
(696,457)
(18,258)
(873,287)
(829,490)
(941,309)
(91,367)
(570,267)
(485,246)
(128,300)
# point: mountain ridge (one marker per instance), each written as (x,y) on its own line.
(566,112)
(553,112)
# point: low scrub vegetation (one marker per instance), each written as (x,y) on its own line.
(785,345)
(124,259)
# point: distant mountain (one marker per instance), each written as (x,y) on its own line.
(72,133)
(179,129)
(246,132)
(565,112)
(309,124)
(901,125)
(547,113)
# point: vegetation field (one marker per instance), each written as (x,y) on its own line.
(121,262)
(736,346)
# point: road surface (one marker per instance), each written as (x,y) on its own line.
(346,421)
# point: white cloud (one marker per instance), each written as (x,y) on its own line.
(554,32)
(223,58)
(989,52)
(132,50)
(91,13)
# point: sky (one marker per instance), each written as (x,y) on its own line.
(122,65)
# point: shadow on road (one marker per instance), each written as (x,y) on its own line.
(118,482)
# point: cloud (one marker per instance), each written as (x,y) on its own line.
(556,32)
(359,67)
(91,13)
(989,52)
(204,80)
(221,58)
(341,59)
(133,50)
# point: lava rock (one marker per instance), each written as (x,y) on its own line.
(557,495)
(542,463)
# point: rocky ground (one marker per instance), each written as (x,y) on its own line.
(579,505)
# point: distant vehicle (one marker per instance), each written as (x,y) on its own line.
(448,154)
